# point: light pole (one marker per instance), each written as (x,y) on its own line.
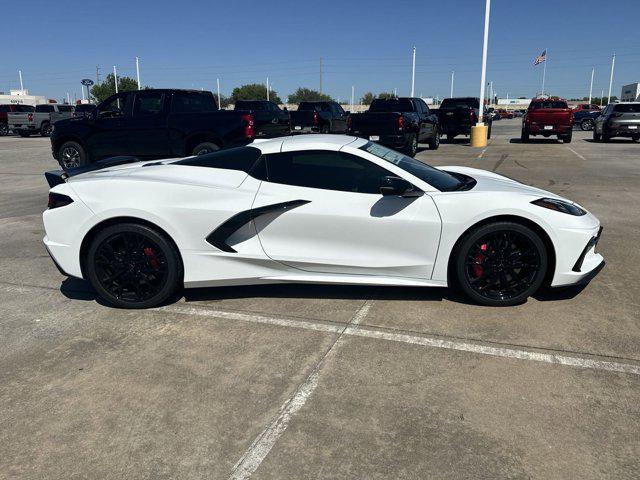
(218,84)
(413,72)
(115,77)
(21,85)
(591,85)
(544,69)
(267,89)
(352,95)
(479,131)
(452,76)
(138,72)
(613,65)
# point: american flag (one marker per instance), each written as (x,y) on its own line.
(541,58)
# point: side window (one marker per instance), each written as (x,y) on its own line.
(425,107)
(44,108)
(190,102)
(147,103)
(115,107)
(325,169)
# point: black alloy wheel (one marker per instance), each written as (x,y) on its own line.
(133,266)
(501,264)
(411,147)
(587,125)
(45,129)
(71,155)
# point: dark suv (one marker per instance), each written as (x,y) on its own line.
(618,120)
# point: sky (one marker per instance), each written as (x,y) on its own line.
(367,44)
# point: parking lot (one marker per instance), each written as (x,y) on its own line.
(309,381)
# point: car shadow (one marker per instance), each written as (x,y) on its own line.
(551,141)
(613,140)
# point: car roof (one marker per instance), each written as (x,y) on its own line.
(307,142)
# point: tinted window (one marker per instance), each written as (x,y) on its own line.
(391,105)
(548,104)
(23,108)
(443,181)
(116,107)
(190,102)
(627,108)
(240,158)
(307,106)
(148,103)
(65,108)
(248,105)
(325,169)
(44,108)
(85,107)
(4,108)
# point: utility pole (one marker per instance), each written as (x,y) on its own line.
(413,72)
(138,72)
(601,96)
(613,65)
(21,85)
(115,77)
(591,85)
(267,89)
(68,99)
(218,84)
(320,75)
(452,77)
(97,74)
(352,96)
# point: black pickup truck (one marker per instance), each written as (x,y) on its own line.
(268,118)
(458,115)
(399,123)
(319,117)
(150,124)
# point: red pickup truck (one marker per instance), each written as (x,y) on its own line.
(548,117)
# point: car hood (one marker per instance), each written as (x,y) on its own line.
(493,182)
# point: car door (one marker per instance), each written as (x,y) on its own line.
(147,128)
(322,211)
(109,131)
(339,124)
(600,120)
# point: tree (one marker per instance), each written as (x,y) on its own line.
(102,91)
(254,91)
(367,98)
(386,95)
(308,95)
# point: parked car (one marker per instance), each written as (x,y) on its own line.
(618,120)
(493,115)
(83,109)
(517,113)
(312,208)
(41,120)
(503,113)
(590,107)
(154,123)
(319,117)
(269,119)
(586,119)
(399,123)
(456,116)
(548,117)
(10,108)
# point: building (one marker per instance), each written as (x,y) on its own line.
(514,102)
(630,93)
(21,97)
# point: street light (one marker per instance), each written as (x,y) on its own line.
(479,131)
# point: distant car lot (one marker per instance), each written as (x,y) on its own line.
(328,381)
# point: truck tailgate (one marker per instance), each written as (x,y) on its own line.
(453,118)
(375,123)
(301,118)
(550,116)
(18,118)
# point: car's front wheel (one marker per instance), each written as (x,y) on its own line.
(4,129)
(500,264)
(587,124)
(434,142)
(133,266)
(72,155)
(204,148)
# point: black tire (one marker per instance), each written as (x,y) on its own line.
(636,138)
(204,148)
(450,138)
(133,266)
(4,129)
(434,142)
(565,138)
(72,155)
(587,125)
(605,136)
(23,133)
(411,145)
(325,129)
(596,136)
(524,136)
(492,257)
(45,129)
(489,132)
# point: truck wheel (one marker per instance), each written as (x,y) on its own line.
(605,137)
(45,129)
(23,133)
(4,129)
(204,148)
(565,138)
(596,136)
(489,133)
(450,137)
(411,147)
(434,142)
(636,138)
(71,155)
(524,136)
(587,125)
(325,129)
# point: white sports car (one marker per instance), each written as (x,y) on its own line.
(311,208)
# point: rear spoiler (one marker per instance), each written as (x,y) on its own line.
(56,177)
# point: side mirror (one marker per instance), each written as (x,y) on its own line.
(399,187)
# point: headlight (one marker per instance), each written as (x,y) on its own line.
(560,206)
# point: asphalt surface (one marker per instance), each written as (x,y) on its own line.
(294,381)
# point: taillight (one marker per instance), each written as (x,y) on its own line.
(472,116)
(400,122)
(58,200)
(315,117)
(349,123)
(30,117)
(249,132)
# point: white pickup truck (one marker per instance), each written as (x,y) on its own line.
(40,121)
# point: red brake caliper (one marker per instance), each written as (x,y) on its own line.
(478,270)
(148,251)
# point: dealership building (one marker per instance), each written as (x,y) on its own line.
(630,93)
(21,97)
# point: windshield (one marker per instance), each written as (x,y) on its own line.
(627,108)
(460,103)
(443,181)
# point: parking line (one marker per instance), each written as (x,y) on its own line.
(577,154)
(264,442)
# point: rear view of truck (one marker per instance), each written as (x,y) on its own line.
(458,115)
(548,117)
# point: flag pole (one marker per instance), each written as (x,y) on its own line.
(544,70)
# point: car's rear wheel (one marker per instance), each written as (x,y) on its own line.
(71,155)
(23,133)
(434,142)
(133,266)
(204,148)
(524,136)
(325,129)
(45,129)
(596,136)
(565,138)
(4,129)
(500,264)
(587,125)
(411,146)
(636,138)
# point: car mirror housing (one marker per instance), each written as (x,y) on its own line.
(396,186)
